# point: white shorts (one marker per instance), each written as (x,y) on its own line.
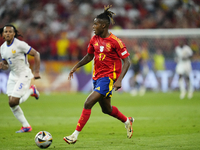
(184,68)
(18,88)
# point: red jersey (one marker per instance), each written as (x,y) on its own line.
(108,53)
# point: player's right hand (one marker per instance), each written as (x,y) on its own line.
(70,75)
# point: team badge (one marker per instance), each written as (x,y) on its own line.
(13,51)
(101,48)
(108,46)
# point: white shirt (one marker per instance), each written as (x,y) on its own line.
(183,53)
(16,56)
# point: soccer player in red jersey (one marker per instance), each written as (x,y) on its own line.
(107,51)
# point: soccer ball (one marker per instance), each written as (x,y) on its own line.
(43,139)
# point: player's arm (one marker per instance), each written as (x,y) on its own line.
(175,56)
(189,54)
(86,59)
(4,65)
(36,56)
(117,84)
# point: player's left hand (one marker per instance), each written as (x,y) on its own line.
(117,85)
(37,76)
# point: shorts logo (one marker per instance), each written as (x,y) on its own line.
(101,48)
(98,88)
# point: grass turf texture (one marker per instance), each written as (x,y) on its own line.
(162,121)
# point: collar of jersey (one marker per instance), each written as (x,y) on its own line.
(11,43)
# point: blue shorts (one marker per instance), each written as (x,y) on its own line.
(104,86)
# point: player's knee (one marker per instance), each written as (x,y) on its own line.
(187,78)
(106,111)
(87,105)
(13,102)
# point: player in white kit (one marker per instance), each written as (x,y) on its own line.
(14,56)
(184,68)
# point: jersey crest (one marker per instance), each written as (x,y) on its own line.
(108,46)
(13,51)
(101,48)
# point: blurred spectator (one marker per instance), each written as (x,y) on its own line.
(41,21)
(62,45)
(159,60)
(74,50)
(145,57)
(194,46)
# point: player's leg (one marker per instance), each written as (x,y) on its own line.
(23,89)
(85,115)
(190,87)
(135,87)
(25,86)
(142,88)
(19,115)
(14,91)
(182,86)
(113,111)
(180,70)
(89,103)
(31,91)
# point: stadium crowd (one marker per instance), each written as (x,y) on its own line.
(61,29)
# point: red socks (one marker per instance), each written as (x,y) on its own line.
(86,115)
(83,119)
(117,114)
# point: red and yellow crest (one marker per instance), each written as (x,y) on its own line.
(108,46)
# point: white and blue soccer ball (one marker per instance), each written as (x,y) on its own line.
(43,139)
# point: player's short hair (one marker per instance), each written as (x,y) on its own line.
(15,30)
(107,15)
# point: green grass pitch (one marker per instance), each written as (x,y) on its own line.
(162,122)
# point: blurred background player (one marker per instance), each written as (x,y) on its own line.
(107,51)
(158,64)
(184,68)
(137,80)
(14,55)
(159,60)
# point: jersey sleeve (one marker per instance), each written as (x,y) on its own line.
(176,51)
(90,48)
(24,47)
(121,49)
(190,52)
(1,54)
